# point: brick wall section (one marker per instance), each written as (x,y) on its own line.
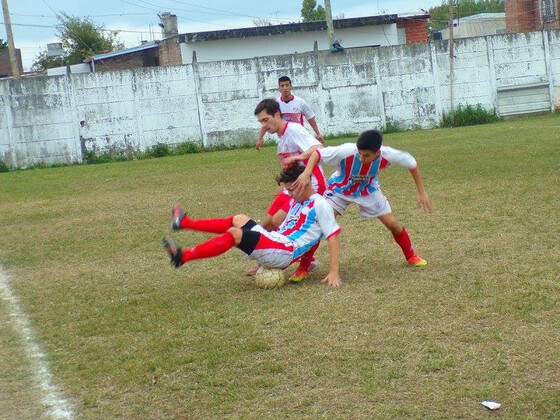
(170,51)
(525,16)
(5,67)
(125,61)
(416,30)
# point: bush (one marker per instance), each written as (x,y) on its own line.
(468,115)
(159,150)
(392,128)
(4,167)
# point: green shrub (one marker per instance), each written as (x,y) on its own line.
(468,115)
(4,167)
(159,150)
(391,127)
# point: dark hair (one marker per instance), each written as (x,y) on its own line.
(291,173)
(269,105)
(370,140)
(284,79)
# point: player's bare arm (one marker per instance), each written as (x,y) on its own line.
(313,123)
(260,139)
(333,277)
(423,200)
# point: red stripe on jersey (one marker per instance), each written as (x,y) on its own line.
(362,172)
(285,128)
(300,221)
(349,162)
(384,163)
(267,243)
(336,232)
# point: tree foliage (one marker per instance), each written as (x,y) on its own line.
(3,44)
(81,39)
(440,14)
(310,11)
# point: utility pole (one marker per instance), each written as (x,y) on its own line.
(11,48)
(451,57)
(330,28)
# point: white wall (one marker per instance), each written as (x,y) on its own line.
(57,119)
(240,48)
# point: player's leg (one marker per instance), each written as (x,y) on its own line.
(211,248)
(218,225)
(402,239)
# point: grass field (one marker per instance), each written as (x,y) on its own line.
(127,336)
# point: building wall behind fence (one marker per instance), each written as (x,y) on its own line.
(60,119)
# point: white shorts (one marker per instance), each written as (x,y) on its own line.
(372,205)
(273,250)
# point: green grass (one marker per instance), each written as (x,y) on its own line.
(129,337)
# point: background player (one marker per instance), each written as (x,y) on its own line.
(309,219)
(355,181)
(293,109)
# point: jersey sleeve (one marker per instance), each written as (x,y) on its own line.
(332,155)
(307,111)
(325,218)
(398,157)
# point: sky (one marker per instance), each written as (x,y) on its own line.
(34,21)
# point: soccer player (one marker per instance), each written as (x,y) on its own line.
(293,109)
(309,219)
(293,139)
(355,181)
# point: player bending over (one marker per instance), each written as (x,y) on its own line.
(309,219)
(355,181)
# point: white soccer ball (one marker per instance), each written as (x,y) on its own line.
(270,278)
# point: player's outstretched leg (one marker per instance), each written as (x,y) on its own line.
(211,248)
(180,220)
(402,239)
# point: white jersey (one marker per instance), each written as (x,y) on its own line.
(353,178)
(307,222)
(295,109)
(295,140)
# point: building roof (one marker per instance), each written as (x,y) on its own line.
(480,16)
(291,28)
(122,52)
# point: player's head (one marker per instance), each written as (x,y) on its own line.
(285,87)
(268,114)
(369,144)
(288,176)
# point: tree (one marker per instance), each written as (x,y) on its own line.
(3,44)
(81,39)
(310,11)
(439,16)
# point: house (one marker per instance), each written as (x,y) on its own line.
(481,24)
(145,55)
(531,15)
(292,38)
(5,66)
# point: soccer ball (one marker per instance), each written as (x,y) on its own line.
(270,278)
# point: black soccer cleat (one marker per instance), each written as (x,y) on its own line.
(175,252)
(177,215)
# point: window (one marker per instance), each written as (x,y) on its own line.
(548,10)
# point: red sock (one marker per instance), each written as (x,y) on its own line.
(404,242)
(305,260)
(211,248)
(207,225)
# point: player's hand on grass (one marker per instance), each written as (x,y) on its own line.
(332,279)
(259,144)
(425,203)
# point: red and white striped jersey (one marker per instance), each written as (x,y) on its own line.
(307,223)
(295,140)
(351,177)
(295,109)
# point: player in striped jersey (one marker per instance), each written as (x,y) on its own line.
(355,181)
(309,219)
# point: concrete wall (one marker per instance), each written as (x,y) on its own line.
(58,119)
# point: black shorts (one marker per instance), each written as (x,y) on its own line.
(250,238)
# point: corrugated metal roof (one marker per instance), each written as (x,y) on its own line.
(123,52)
(480,16)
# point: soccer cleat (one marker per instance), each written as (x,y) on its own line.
(175,252)
(252,271)
(177,215)
(301,274)
(416,261)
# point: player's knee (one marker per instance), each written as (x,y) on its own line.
(237,234)
(240,220)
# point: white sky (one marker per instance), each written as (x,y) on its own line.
(33,21)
